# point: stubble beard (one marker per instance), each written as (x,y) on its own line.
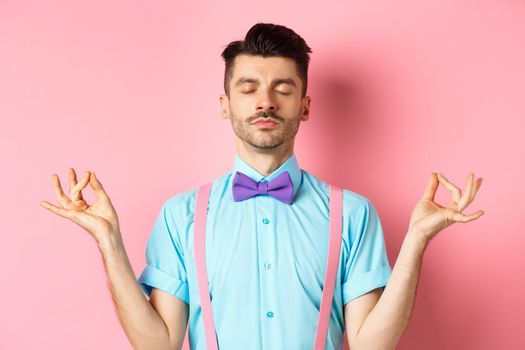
(265,139)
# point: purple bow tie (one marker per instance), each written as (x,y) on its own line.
(245,187)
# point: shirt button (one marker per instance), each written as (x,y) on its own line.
(267,266)
(269,314)
(265,221)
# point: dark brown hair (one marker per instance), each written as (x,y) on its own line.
(269,40)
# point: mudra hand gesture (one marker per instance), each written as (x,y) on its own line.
(428,217)
(99,219)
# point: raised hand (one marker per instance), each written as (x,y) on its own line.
(428,217)
(99,219)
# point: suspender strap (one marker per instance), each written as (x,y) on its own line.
(199,242)
(336,218)
(336,227)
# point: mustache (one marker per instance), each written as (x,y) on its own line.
(265,114)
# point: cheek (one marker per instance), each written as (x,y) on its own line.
(294,108)
(242,108)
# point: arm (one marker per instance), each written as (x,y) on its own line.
(377,321)
(157,324)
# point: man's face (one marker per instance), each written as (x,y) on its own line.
(265,105)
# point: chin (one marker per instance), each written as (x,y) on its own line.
(267,146)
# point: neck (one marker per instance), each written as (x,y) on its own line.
(264,161)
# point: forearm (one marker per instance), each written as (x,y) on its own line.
(144,327)
(387,321)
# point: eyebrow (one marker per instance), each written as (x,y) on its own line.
(243,80)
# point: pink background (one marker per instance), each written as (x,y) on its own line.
(131,91)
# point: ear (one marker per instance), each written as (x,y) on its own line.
(225,106)
(306,108)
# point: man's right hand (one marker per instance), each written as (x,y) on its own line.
(158,323)
(99,219)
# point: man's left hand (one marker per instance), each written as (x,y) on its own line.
(428,217)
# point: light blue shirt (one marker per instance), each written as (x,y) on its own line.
(266,261)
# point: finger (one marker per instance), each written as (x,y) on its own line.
(72,179)
(76,191)
(466,197)
(431,189)
(457,217)
(97,186)
(454,190)
(68,214)
(61,197)
(57,210)
(477,185)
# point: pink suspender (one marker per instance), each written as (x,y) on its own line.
(199,243)
(336,223)
(336,228)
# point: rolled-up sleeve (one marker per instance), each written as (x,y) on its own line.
(165,268)
(366,265)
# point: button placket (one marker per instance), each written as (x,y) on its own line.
(265,212)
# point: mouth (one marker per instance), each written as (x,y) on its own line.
(265,123)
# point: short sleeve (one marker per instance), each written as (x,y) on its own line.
(165,268)
(366,265)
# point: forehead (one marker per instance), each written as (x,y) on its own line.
(264,67)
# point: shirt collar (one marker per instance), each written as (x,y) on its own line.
(291,165)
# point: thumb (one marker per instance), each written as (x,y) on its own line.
(431,189)
(96,185)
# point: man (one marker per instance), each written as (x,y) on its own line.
(266,256)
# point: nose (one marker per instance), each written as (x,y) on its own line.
(266,102)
